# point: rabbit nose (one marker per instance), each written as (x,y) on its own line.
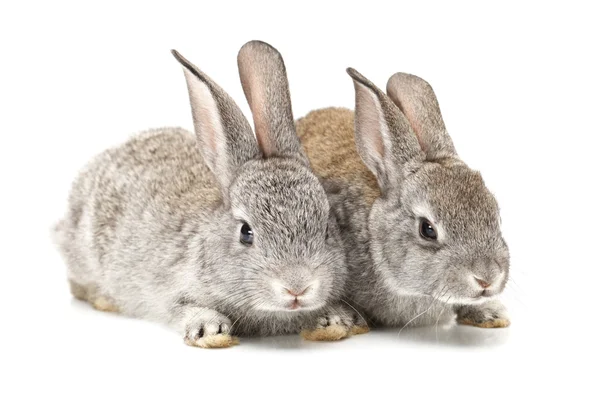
(482,283)
(297,293)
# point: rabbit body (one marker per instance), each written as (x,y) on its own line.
(389,169)
(353,190)
(213,233)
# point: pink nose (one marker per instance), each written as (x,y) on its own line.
(296,293)
(482,283)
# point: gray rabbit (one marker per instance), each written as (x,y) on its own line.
(218,234)
(421,230)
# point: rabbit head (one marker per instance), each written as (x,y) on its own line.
(273,246)
(435,230)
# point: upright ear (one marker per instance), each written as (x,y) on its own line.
(417,101)
(384,139)
(264,79)
(224,135)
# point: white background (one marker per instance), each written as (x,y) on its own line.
(518,85)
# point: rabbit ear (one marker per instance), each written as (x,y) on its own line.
(384,139)
(417,101)
(224,135)
(263,77)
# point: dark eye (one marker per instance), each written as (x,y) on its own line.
(246,235)
(427,230)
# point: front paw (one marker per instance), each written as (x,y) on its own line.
(487,315)
(210,330)
(338,322)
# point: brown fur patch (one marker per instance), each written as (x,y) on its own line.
(214,341)
(328,334)
(494,323)
(359,329)
(328,139)
(78,291)
(89,293)
(101,303)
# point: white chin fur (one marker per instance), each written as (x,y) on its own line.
(452,300)
(470,300)
(285,310)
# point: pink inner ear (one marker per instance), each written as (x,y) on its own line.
(370,121)
(254,89)
(414,124)
(204,112)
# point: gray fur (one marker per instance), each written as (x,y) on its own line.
(153,226)
(381,149)
(263,76)
(417,101)
(396,276)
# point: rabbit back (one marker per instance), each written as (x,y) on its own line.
(328,138)
(122,206)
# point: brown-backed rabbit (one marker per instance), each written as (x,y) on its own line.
(421,230)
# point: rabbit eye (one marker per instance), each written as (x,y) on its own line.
(246,235)
(427,230)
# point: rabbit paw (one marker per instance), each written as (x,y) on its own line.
(102,303)
(359,329)
(90,294)
(359,323)
(336,324)
(210,330)
(488,315)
